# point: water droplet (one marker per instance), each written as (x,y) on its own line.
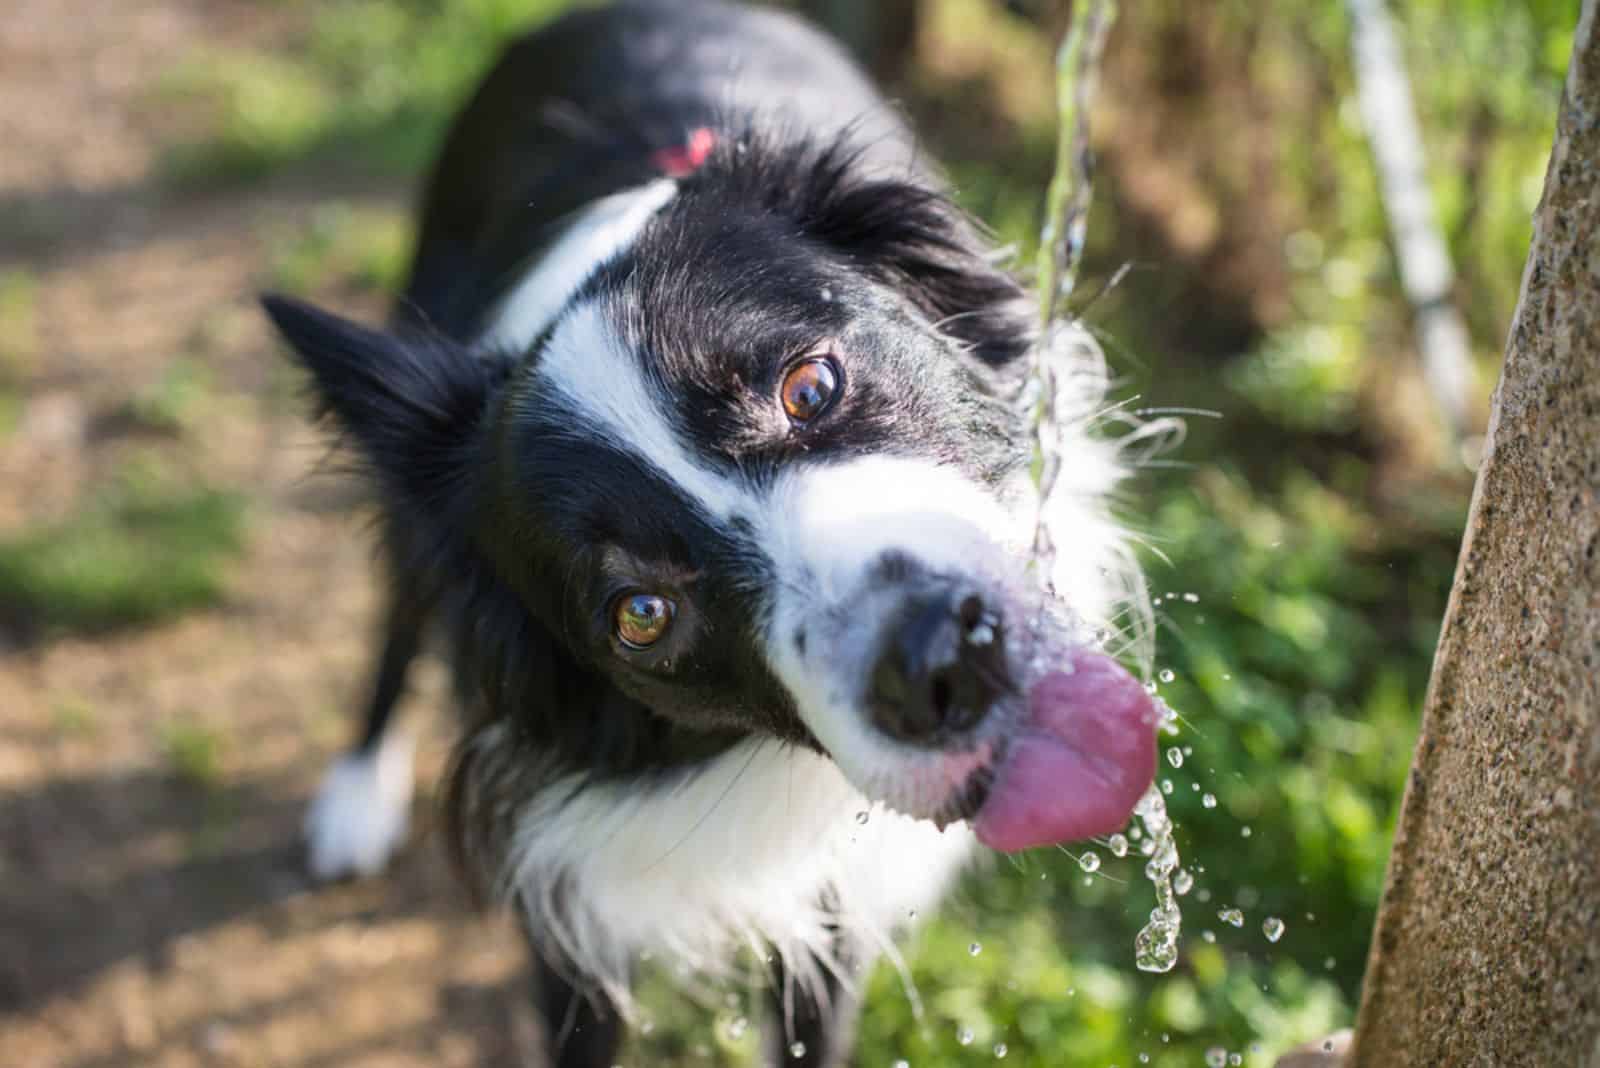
(1182,882)
(1166,787)
(1216,1057)
(1144,1058)
(1000,1050)
(911,914)
(1272,927)
(797,1050)
(1175,757)
(1118,845)
(1072,991)
(1150,688)
(975,949)
(1134,834)
(1311,917)
(1329,963)
(1209,936)
(1244,832)
(1202,895)
(902,1064)
(1208,800)
(1327,1046)
(737,1027)
(862,817)
(964,1036)
(827,294)
(1235,1059)
(1090,861)
(1231,916)
(1166,675)
(1156,947)
(1192,598)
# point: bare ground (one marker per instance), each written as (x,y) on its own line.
(146,917)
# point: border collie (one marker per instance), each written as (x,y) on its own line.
(698,427)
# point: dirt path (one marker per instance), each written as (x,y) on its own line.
(146,917)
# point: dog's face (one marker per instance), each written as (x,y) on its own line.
(763,473)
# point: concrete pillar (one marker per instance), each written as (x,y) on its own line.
(1487,948)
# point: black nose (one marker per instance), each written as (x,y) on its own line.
(940,668)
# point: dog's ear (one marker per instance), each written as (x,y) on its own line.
(917,240)
(412,402)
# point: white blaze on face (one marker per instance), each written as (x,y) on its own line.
(596,372)
(596,234)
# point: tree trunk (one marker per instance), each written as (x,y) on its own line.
(1487,949)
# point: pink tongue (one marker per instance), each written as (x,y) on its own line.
(1082,763)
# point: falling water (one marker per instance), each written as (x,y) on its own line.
(1060,252)
(1156,948)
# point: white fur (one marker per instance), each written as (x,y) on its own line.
(828,524)
(737,853)
(360,814)
(599,232)
(596,371)
(734,855)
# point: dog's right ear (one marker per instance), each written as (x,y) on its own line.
(413,402)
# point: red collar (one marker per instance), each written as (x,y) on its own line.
(680,161)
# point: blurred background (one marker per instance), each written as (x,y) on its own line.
(185,590)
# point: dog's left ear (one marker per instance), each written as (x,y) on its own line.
(920,242)
(412,402)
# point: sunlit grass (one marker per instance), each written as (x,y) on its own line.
(145,553)
(370,88)
(361,247)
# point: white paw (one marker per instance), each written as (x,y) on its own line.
(360,813)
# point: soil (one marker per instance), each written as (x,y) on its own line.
(152,913)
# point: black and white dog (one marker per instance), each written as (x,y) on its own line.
(698,428)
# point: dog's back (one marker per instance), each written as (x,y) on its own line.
(588,106)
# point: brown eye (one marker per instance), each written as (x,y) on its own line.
(809,388)
(641,619)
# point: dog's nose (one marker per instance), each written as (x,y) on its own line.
(940,668)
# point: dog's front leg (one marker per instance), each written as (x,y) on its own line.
(815,1029)
(582,1028)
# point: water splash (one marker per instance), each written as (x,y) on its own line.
(1156,948)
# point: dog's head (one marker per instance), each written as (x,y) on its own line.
(764,471)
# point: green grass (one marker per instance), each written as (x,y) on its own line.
(18,326)
(362,248)
(194,754)
(145,553)
(74,716)
(173,402)
(368,88)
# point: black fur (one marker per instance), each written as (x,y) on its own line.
(820,228)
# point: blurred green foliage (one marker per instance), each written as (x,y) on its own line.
(143,551)
(370,84)
(1301,557)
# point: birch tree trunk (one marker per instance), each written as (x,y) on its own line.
(1487,948)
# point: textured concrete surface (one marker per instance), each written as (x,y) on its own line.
(1487,950)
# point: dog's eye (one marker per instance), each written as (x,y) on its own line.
(809,388)
(641,619)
